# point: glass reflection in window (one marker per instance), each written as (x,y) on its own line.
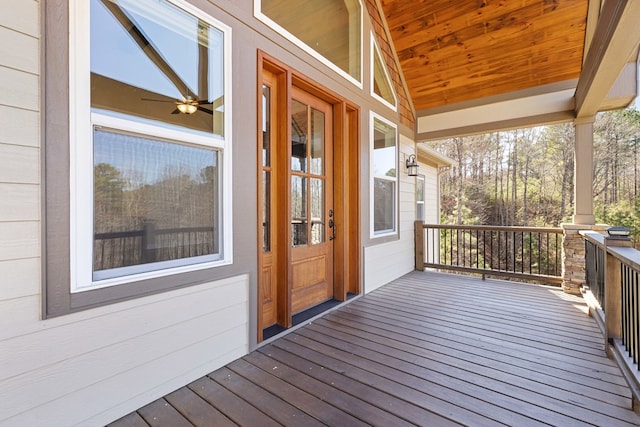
(153,61)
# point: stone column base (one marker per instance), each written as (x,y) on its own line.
(574,274)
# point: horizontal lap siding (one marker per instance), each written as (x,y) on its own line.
(123,355)
(89,367)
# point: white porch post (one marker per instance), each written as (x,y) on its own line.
(583,172)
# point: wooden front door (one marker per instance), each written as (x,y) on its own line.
(308,217)
(311,201)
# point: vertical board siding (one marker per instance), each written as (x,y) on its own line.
(126,352)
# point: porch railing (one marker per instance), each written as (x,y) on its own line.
(630,314)
(528,253)
(617,309)
(594,262)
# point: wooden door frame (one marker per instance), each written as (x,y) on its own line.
(346,172)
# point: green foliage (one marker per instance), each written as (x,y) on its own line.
(621,214)
(525,176)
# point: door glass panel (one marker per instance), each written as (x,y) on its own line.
(266,126)
(317,142)
(298,210)
(299,136)
(317,211)
(266,211)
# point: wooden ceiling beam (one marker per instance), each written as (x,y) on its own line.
(615,40)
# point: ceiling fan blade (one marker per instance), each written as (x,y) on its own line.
(155,100)
(205,110)
(214,103)
(176,111)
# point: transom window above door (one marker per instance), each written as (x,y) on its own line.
(331,30)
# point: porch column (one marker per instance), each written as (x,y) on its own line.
(573,250)
(583,172)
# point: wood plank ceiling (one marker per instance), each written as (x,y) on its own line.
(452,51)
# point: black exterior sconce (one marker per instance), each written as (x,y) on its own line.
(412,165)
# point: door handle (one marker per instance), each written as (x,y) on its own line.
(332,225)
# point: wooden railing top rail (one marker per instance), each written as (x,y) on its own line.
(624,252)
(495,228)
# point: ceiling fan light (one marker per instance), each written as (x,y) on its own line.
(187,108)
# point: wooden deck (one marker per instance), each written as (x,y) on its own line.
(428,349)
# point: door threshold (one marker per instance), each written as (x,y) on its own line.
(305,315)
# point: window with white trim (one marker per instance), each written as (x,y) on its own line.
(381,87)
(330,30)
(150,141)
(384,183)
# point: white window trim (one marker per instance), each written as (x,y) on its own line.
(375,49)
(385,233)
(257,11)
(81,122)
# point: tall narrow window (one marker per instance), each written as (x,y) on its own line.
(151,188)
(420,198)
(332,29)
(381,86)
(385,180)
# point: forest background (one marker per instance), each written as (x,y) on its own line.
(524,177)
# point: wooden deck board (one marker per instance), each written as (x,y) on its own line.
(314,406)
(196,410)
(402,409)
(273,406)
(492,363)
(487,381)
(427,349)
(467,342)
(233,406)
(160,413)
(132,420)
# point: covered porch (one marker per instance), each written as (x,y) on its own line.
(427,349)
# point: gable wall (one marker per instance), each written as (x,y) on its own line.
(405,109)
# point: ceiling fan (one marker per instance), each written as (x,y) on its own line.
(187,105)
